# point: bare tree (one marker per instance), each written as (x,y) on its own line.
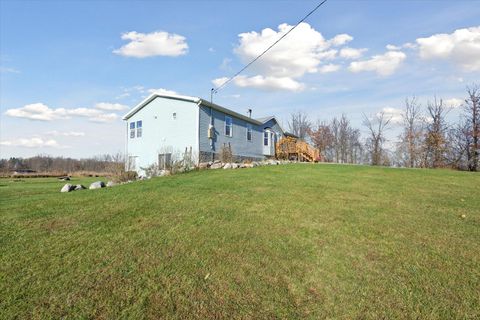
(472,118)
(459,140)
(299,124)
(322,138)
(412,135)
(435,138)
(376,126)
(345,146)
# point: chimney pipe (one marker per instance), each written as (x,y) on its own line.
(249,113)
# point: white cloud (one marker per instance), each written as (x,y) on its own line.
(266,83)
(159,43)
(302,51)
(35,142)
(123,95)
(352,53)
(162,91)
(383,65)
(66,133)
(341,39)
(211,49)
(453,102)
(396,115)
(329,68)
(40,111)
(111,106)
(462,47)
(409,45)
(8,70)
(392,47)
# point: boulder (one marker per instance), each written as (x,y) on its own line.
(67,188)
(111,184)
(217,165)
(97,185)
(255,164)
(204,165)
(272,162)
(79,187)
(231,165)
(64,178)
(248,165)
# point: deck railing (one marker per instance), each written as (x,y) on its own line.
(289,147)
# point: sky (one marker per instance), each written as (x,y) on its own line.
(69,70)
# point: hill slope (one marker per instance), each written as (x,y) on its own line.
(289,241)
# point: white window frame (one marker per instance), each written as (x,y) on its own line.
(267,133)
(249,129)
(226,125)
(132,129)
(139,128)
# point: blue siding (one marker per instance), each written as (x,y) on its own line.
(161,132)
(274,126)
(238,141)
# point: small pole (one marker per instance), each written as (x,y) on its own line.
(211,95)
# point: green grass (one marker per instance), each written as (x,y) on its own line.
(293,241)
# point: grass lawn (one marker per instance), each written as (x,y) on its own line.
(292,241)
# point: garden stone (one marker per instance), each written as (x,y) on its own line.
(67,188)
(97,185)
(204,165)
(79,187)
(217,165)
(111,184)
(228,166)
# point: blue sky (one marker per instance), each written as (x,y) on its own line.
(69,70)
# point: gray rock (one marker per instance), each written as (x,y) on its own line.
(79,187)
(204,165)
(228,166)
(64,178)
(67,188)
(111,184)
(217,165)
(272,162)
(97,185)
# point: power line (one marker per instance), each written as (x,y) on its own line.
(215,90)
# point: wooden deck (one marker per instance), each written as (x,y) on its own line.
(291,148)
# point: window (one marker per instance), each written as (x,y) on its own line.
(265,138)
(228,126)
(139,129)
(249,132)
(132,130)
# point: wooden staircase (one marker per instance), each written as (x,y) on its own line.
(291,148)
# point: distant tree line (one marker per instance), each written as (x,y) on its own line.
(49,164)
(427,140)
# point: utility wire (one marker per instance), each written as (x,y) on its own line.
(215,90)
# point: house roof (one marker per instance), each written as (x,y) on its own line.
(196,100)
(266,119)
